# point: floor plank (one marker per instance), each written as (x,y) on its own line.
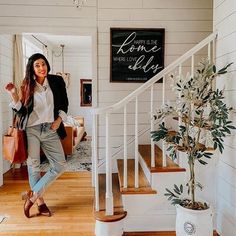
(70,198)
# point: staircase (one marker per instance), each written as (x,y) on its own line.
(131,179)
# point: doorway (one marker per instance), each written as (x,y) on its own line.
(90,33)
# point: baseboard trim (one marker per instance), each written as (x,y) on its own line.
(155,233)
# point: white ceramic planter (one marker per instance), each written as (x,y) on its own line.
(109,228)
(193,222)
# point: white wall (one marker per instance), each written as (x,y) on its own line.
(224,22)
(46,16)
(186,23)
(6,75)
(79,65)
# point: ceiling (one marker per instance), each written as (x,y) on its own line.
(72,43)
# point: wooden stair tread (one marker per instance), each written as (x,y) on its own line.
(119,212)
(144,186)
(145,151)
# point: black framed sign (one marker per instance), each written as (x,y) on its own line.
(136,54)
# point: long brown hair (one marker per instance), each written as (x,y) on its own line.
(28,84)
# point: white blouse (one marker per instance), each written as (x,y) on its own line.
(43,106)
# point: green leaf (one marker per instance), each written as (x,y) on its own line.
(202,162)
(214,68)
(208,153)
(181,188)
(227,130)
(231,127)
(177,191)
(199,185)
(221,149)
(168,191)
(176,187)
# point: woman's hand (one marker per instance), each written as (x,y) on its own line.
(56,123)
(11,88)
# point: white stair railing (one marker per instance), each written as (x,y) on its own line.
(152,128)
(95,162)
(163,142)
(125,147)
(210,43)
(109,194)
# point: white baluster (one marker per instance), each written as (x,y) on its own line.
(125,147)
(136,179)
(192,65)
(214,50)
(109,194)
(214,60)
(179,116)
(95,163)
(164,164)
(152,129)
(163,90)
(209,51)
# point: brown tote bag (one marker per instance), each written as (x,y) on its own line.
(14,145)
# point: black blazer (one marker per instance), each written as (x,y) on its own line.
(60,99)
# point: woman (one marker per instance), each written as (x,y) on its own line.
(41,108)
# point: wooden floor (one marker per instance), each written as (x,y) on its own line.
(70,198)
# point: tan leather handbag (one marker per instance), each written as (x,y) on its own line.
(15,145)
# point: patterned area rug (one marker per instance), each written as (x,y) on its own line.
(80,160)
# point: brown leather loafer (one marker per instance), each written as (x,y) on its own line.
(44,210)
(28,203)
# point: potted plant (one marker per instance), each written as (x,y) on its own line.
(203,124)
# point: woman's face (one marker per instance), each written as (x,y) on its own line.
(40,68)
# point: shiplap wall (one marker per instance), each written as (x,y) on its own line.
(225,24)
(32,16)
(186,23)
(45,16)
(6,75)
(79,65)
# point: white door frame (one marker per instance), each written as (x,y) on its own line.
(10,30)
(1,132)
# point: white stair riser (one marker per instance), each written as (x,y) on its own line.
(143,204)
(155,222)
(163,180)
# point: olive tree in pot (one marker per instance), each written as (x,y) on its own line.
(204,120)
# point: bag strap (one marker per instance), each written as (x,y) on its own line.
(15,121)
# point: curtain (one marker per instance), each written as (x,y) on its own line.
(18,61)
